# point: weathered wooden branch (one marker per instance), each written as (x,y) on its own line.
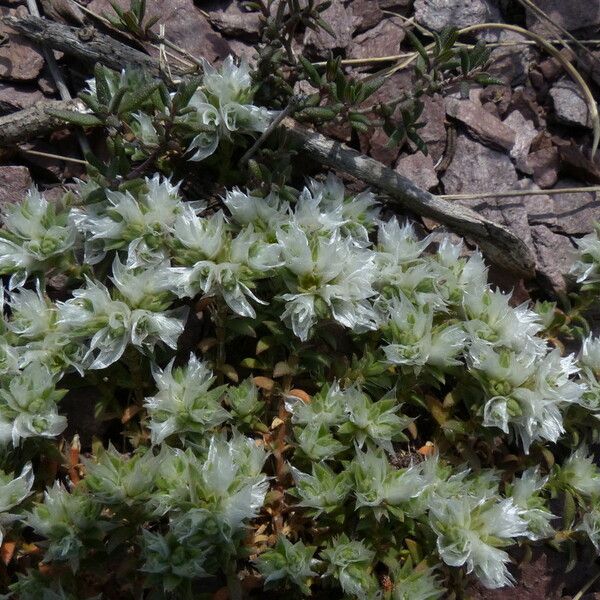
(85,43)
(30,123)
(499,244)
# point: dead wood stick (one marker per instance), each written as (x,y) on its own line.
(86,43)
(30,123)
(499,244)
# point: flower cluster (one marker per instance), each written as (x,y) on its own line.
(394,336)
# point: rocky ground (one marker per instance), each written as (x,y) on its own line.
(533,133)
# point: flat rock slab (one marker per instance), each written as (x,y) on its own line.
(419,169)
(340,18)
(437,14)
(569,104)
(20,59)
(231,19)
(15,96)
(569,14)
(185,24)
(14,183)
(575,213)
(382,40)
(482,124)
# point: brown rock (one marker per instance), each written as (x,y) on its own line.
(378,147)
(340,17)
(434,133)
(184,23)
(539,207)
(569,104)
(14,183)
(511,64)
(525,133)
(15,96)
(544,165)
(477,168)
(577,165)
(569,14)
(499,95)
(575,213)
(231,19)
(419,169)
(482,124)
(20,60)
(437,14)
(366,14)
(554,256)
(383,40)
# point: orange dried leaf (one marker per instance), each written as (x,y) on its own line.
(7,551)
(300,394)
(265,383)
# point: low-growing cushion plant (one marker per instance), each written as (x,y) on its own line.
(313,400)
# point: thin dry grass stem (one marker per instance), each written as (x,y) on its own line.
(567,65)
(53,156)
(586,587)
(520,193)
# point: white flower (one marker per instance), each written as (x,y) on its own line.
(246,209)
(13,492)
(125,218)
(34,233)
(414,342)
(28,406)
(223,105)
(580,472)
(525,494)
(467,534)
(93,314)
(185,402)
(326,276)
(32,315)
(587,267)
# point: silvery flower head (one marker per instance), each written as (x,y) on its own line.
(580,473)
(222,105)
(322,492)
(350,563)
(526,494)
(69,522)
(327,277)
(92,314)
(34,233)
(13,490)
(28,405)
(116,479)
(291,562)
(587,266)
(124,217)
(32,315)
(469,533)
(185,404)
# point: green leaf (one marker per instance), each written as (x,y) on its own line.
(115,102)
(134,100)
(569,510)
(76,118)
(311,72)
(415,42)
(102,87)
(487,79)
